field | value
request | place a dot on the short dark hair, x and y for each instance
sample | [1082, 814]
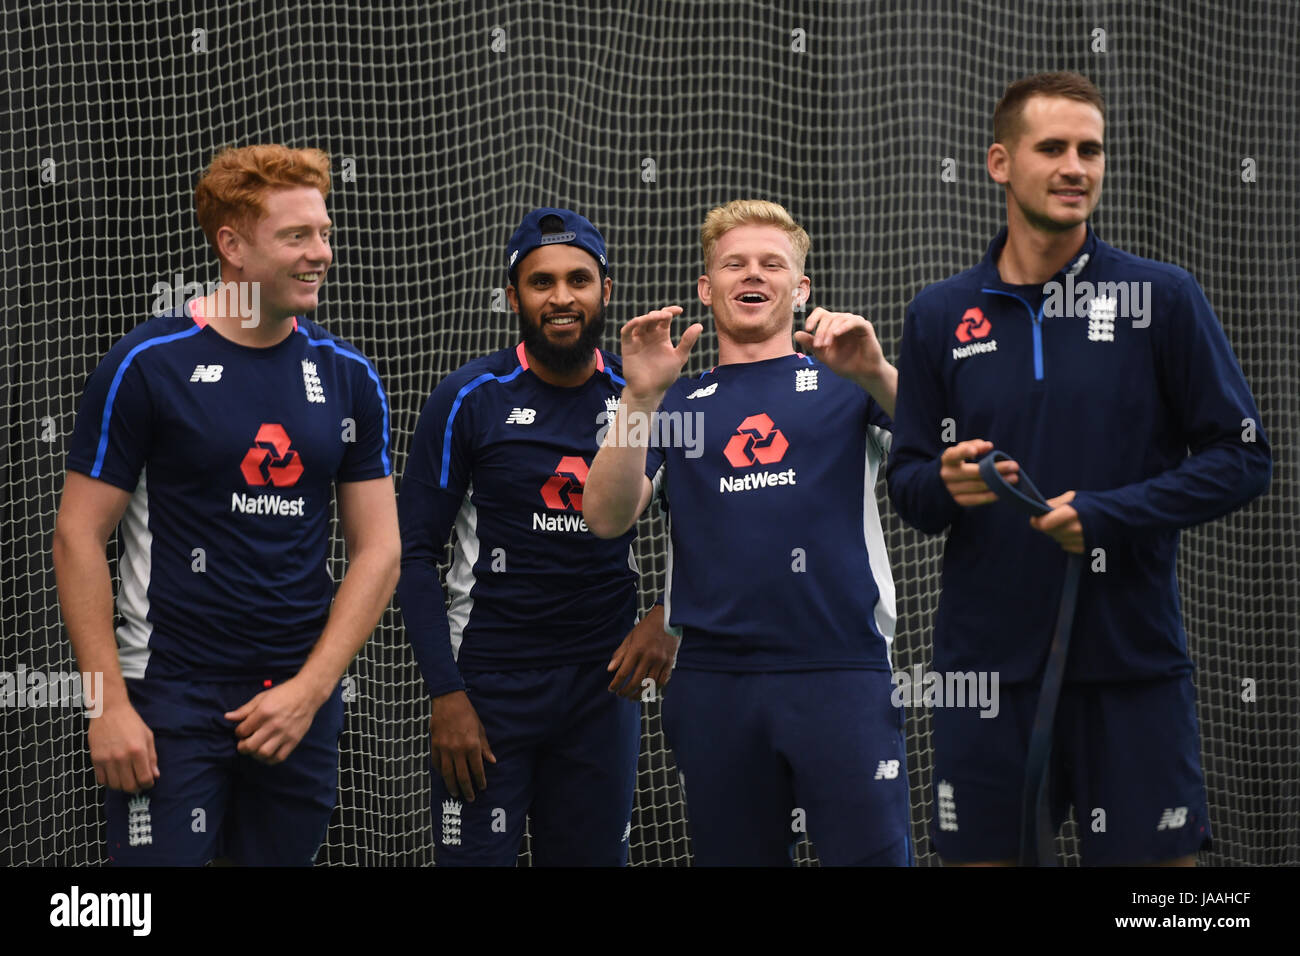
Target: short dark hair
[1007, 126]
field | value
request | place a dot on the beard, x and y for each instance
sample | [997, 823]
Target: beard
[561, 359]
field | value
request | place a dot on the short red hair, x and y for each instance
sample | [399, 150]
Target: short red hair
[233, 190]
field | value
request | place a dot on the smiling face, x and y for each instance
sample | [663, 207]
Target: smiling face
[561, 303]
[1053, 169]
[287, 252]
[753, 283]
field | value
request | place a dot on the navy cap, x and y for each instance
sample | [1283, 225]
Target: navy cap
[544, 227]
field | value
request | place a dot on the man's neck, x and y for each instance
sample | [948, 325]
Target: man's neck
[558, 379]
[237, 321]
[736, 353]
[1032, 257]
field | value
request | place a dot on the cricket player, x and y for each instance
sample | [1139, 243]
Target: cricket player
[211, 439]
[780, 715]
[535, 673]
[1107, 378]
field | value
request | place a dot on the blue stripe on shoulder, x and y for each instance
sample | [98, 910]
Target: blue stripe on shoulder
[370, 373]
[102, 447]
[615, 377]
[455, 407]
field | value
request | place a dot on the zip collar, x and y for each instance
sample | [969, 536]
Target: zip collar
[987, 270]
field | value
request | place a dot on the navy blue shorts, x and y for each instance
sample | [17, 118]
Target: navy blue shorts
[212, 801]
[566, 752]
[1125, 755]
[766, 758]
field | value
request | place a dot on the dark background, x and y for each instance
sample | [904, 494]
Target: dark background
[453, 142]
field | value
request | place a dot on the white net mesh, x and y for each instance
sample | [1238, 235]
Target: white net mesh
[447, 121]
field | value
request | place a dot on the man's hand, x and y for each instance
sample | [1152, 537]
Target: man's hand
[962, 477]
[647, 652]
[121, 748]
[1062, 523]
[844, 343]
[650, 361]
[271, 724]
[458, 744]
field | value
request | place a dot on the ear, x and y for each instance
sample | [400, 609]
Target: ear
[609, 287]
[512, 297]
[999, 163]
[231, 247]
[704, 289]
[802, 291]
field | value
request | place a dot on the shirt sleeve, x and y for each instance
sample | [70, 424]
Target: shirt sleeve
[369, 453]
[433, 487]
[1229, 460]
[113, 434]
[915, 488]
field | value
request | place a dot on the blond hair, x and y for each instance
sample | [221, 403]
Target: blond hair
[752, 212]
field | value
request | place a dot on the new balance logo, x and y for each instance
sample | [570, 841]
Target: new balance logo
[207, 373]
[887, 770]
[805, 380]
[703, 392]
[311, 382]
[451, 822]
[521, 416]
[139, 825]
[1172, 819]
[947, 807]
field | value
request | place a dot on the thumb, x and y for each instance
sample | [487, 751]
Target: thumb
[242, 712]
[688, 340]
[804, 340]
[1049, 521]
[618, 656]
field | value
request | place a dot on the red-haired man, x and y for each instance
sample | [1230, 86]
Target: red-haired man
[211, 437]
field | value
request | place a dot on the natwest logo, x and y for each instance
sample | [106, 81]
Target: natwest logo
[563, 490]
[974, 325]
[757, 442]
[271, 461]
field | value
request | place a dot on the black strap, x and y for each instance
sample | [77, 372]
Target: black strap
[1037, 832]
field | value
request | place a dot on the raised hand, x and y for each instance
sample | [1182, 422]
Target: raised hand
[651, 363]
[843, 342]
